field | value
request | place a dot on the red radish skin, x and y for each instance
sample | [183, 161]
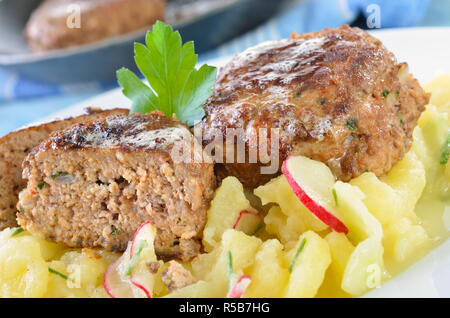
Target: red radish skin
[113, 267]
[133, 242]
[243, 213]
[240, 287]
[319, 211]
[133, 245]
[146, 292]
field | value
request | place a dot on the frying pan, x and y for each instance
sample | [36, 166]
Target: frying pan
[208, 26]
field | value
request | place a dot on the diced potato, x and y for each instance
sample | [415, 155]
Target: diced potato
[309, 269]
[212, 267]
[439, 89]
[203, 263]
[201, 289]
[278, 191]
[447, 170]
[58, 287]
[341, 249]
[408, 178]
[229, 200]
[352, 211]
[365, 268]
[286, 228]
[23, 272]
[385, 210]
[268, 275]
[403, 240]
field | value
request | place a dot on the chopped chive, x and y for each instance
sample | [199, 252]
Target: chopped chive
[365, 170]
[142, 244]
[446, 152]
[51, 270]
[300, 248]
[59, 174]
[17, 231]
[352, 124]
[397, 93]
[356, 150]
[335, 196]
[115, 231]
[229, 268]
[21, 210]
[385, 93]
[41, 185]
[259, 227]
[401, 121]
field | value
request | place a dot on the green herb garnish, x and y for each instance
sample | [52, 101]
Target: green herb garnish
[401, 121]
[17, 231]
[21, 210]
[114, 231]
[352, 124]
[335, 196]
[51, 270]
[41, 185]
[59, 174]
[229, 268]
[445, 152]
[176, 86]
[259, 227]
[385, 93]
[300, 248]
[397, 93]
[142, 244]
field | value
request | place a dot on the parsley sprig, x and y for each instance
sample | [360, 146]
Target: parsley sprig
[176, 86]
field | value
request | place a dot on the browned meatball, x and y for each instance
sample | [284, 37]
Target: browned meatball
[337, 96]
[94, 183]
[52, 24]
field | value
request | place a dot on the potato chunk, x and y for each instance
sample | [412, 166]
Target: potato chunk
[309, 269]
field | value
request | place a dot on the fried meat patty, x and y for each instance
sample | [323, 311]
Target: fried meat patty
[336, 95]
[53, 25]
[93, 184]
[15, 146]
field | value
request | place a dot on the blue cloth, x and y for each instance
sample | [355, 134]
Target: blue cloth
[23, 100]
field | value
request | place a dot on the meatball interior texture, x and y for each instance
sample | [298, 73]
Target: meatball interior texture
[336, 95]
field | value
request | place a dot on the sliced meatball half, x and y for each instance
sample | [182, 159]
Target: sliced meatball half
[336, 95]
[93, 184]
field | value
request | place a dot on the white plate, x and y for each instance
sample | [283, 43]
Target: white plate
[427, 52]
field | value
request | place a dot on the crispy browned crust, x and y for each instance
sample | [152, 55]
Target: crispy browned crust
[47, 28]
[311, 87]
[15, 146]
[122, 174]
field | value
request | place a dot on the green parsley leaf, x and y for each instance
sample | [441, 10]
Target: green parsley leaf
[385, 93]
[41, 185]
[300, 248]
[176, 86]
[352, 124]
[445, 152]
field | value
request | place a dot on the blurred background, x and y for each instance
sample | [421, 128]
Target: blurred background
[55, 53]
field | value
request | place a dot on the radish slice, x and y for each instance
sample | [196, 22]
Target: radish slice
[312, 182]
[239, 286]
[248, 222]
[140, 275]
[128, 276]
[116, 283]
